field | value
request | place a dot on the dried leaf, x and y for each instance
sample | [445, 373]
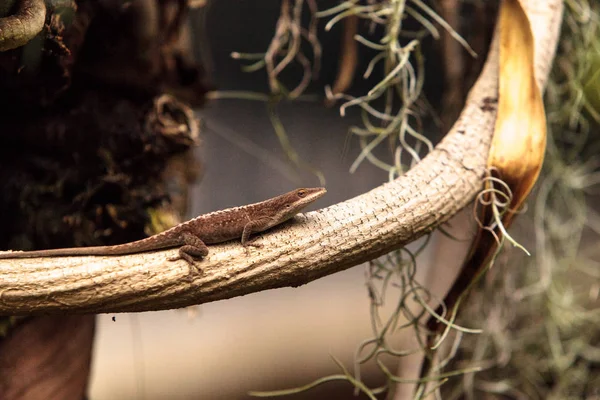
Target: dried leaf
[519, 142]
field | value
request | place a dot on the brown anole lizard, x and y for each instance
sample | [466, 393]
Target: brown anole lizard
[192, 236]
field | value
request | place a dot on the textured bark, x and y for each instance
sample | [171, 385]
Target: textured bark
[19, 28]
[318, 244]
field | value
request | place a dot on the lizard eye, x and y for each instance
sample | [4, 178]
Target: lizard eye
[301, 193]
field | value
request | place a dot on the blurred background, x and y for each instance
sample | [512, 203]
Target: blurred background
[276, 339]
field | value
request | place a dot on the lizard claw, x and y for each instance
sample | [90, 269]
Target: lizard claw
[189, 259]
[249, 244]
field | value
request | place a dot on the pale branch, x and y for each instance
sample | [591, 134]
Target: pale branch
[22, 26]
[315, 245]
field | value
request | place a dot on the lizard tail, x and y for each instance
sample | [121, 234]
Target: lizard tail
[138, 246]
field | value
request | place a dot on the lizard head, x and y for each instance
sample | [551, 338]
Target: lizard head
[293, 202]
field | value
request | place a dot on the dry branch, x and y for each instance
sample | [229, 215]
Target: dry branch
[22, 26]
[318, 244]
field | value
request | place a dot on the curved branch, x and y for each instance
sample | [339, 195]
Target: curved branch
[19, 28]
[318, 244]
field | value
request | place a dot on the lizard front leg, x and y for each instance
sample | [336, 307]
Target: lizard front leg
[258, 225]
[192, 249]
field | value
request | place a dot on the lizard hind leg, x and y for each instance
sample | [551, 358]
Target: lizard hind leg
[192, 249]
